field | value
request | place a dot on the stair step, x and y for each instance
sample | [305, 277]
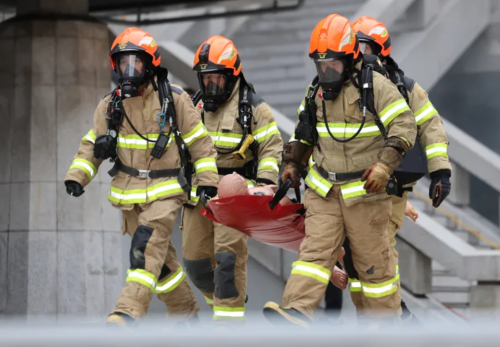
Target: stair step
[281, 86]
[442, 281]
[280, 25]
[281, 98]
[271, 62]
[289, 111]
[451, 298]
[320, 8]
[249, 39]
[273, 50]
[281, 73]
[439, 270]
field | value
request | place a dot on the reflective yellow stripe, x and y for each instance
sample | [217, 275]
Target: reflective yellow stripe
[171, 282]
[265, 132]
[231, 140]
[317, 183]
[90, 136]
[293, 139]
[269, 164]
[312, 270]
[193, 196]
[436, 150]
[311, 161]
[208, 300]
[197, 133]
[205, 164]
[425, 113]
[139, 196]
[301, 107]
[355, 285]
[392, 111]
[143, 277]
[221, 312]
[134, 141]
[348, 129]
[84, 165]
[352, 190]
[380, 290]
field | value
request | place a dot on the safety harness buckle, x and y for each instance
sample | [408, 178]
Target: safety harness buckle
[144, 173]
[332, 176]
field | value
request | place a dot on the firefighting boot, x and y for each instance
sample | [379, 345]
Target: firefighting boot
[118, 319]
[283, 315]
[192, 322]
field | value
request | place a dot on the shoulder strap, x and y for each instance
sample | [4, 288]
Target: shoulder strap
[196, 99]
[114, 113]
[313, 89]
[365, 81]
[168, 108]
[409, 83]
[245, 117]
[245, 113]
[397, 76]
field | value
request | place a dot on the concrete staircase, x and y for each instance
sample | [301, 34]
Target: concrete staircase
[274, 47]
[447, 288]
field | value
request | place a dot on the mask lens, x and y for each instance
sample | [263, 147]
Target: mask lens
[362, 47]
[330, 71]
[130, 65]
[212, 84]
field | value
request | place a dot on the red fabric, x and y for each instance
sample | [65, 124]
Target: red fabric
[281, 227]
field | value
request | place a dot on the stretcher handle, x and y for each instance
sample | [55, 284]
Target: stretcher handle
[281, 193]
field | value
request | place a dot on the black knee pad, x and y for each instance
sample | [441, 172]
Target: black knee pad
[201, 273]
[224, 276]
[348, 263]
[139, 243]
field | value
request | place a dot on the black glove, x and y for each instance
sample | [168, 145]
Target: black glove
[206, 191]
[104, 147]
[440, 186]
[74, 188]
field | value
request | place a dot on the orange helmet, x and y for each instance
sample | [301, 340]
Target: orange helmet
[374, 33]
[134, 55]
[218, 65]
[333, 37]
[135, 40]
[334, 48]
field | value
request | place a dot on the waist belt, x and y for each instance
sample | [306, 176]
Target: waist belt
[142, 173]
[340, 176]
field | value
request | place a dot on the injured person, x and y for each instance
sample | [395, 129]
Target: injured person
[235, 185]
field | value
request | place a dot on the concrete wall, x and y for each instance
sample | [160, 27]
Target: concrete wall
[468, 97]
[58, 255]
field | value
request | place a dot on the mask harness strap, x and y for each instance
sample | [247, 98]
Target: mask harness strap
[365, 87]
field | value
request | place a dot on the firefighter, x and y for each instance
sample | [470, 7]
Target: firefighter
[354, 153]
[149, 128]
[375, 40]
[248, 142]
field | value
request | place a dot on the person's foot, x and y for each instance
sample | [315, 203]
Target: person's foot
[282, 315]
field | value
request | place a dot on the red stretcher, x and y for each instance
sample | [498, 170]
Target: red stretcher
[262, 217]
